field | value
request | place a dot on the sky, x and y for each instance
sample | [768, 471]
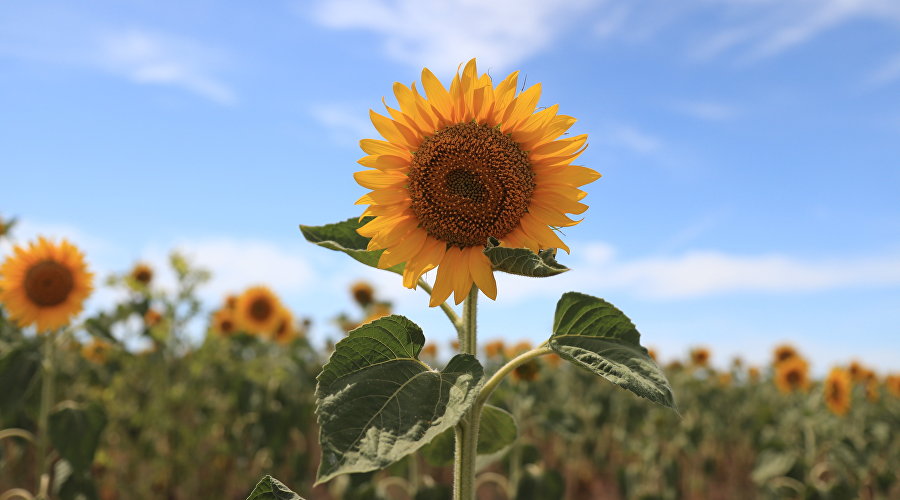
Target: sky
[750, 152]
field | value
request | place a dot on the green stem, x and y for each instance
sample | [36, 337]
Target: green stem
[451, 314]
[504, 370]
[43, 433]
[467, 429]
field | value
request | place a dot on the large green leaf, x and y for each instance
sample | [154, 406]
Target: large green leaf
[75, 432]
[20, 370]
[269, 488]
[342, 236]
[593, 334]
[377, 403]
[497, 432]
[523, 261]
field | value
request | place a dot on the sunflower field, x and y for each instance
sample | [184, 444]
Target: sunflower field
[179, 419]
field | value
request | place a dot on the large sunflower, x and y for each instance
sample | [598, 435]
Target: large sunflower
[44, 284]
[792, 375]
[463, 165]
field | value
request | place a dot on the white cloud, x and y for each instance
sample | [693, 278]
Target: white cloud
[705, 273]
[347, 123]
[886, 74]
[632, 138]
[442, 34]
[150, 58]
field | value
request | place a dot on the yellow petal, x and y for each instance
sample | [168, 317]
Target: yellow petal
[443, 284]
[391, 234]
[386, 196]
[392, 131]
[462, 280]
[376, 179]
[385, 162]
[570, 175]
[560, 147]
[378, 224]
[545, 236]
[402, 250]
[437, 95]
[482, 273]
[428, 258]
[549, 216]
[376, 147]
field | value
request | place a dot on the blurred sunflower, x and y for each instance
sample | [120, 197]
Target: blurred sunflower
[257, 309]
[363, 293]
[892, 382]
[430, 350]
[518, 348]
[700, 356]
[494, 348]
[753, 374]
[142, 274]
[463, 165]
[224, 323]
[231, 301]
[792, 375]
[97, 351]
[652, 353]
[286, 331]
[44, 283]
[783, 353]
[152, 318]
[526, 372]
[837, 391]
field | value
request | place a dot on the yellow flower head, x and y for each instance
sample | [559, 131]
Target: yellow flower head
[783, 353]
[152, 318]
[792, 375]
[652, 353]
[494, 348]
[463, 165]
[527, 371]
[700, 356]
[231, 301]
[753, 373]
[837, 391]
[44, 283]
[892, 382]
[286, 331]
[363, 293]
[430, 350]
[97, 351]
[519, 348]
[142, 274]
[224, 323]
[257, 310]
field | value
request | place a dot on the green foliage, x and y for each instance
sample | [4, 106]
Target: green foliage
[269, 488]
[75, 432]
[522, 261]
[342, 237]
[377, 403]
[593, 334]
[20, 367]
[497, 433]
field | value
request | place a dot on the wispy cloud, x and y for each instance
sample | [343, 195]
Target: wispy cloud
[707, 110]
[632, 139]
[65, 37]
[444, 33]
[887, 73]
[347, 123]
[155, 59]
[706, 273]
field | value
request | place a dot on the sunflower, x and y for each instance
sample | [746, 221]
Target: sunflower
[652, 353]
[142, 274]
[430, 350]
[461, 166]
[892, 382]
[494, 348]
[257, 309]
[518, 348]
[286, 331]
[363, 293]
[792, 375]
[44, 283]
[753, 374]
[231, 301]
[97, 351]
[223, 322]
[152, 318]
[837, 391]
[527, 371]
[700, 356]
[783, 353]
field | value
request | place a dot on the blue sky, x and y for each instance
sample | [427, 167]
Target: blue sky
[750, 152]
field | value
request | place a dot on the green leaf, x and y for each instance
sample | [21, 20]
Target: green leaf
[342, 236]
[20, 369]
[75, 432]
[523, 261]
[497, 432]
[269, 488]
[377, 403]
[593, 334]
[771, 464]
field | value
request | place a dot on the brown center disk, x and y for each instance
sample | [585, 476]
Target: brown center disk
[468, 182]
[49, 283]
[260, 309]
[794, 378]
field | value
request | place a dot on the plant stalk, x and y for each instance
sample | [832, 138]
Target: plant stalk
[467, 429]
[43, 432]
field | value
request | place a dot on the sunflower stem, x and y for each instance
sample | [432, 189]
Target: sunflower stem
[466, 448]
[43, 433]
